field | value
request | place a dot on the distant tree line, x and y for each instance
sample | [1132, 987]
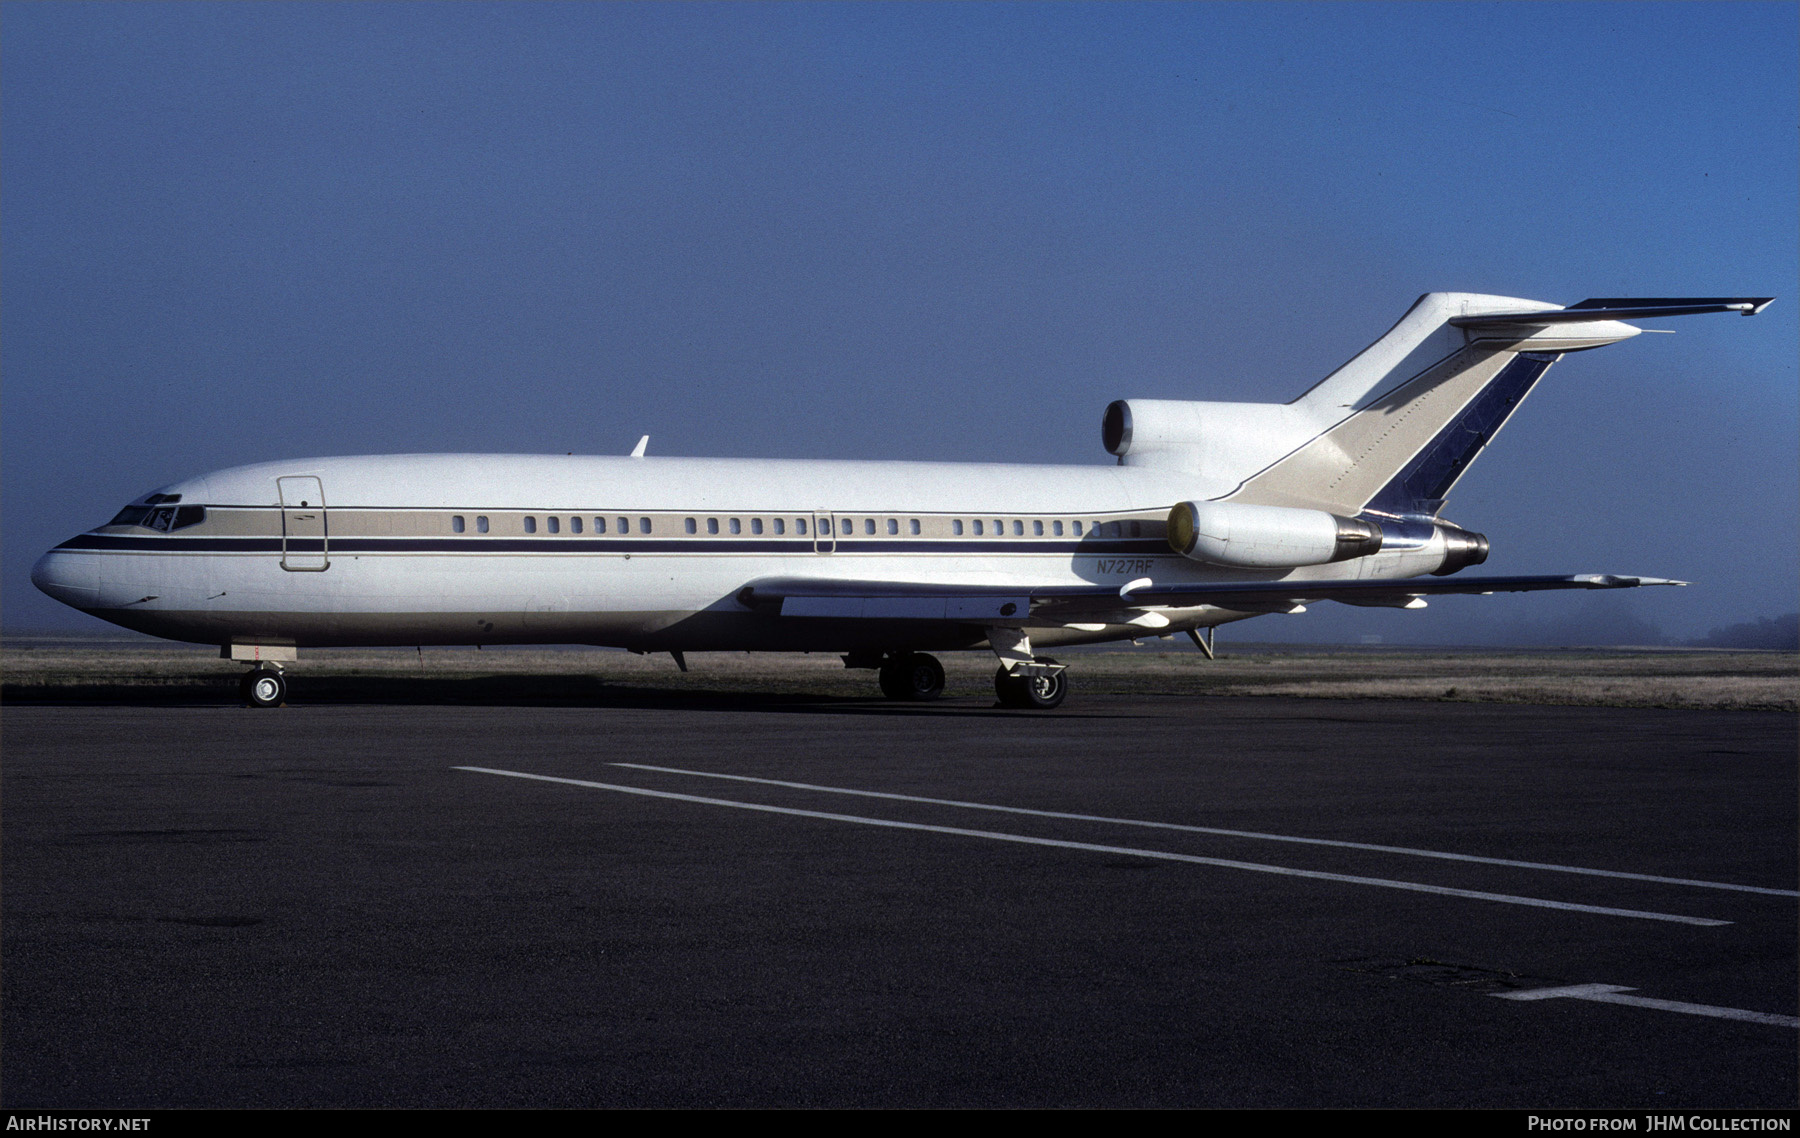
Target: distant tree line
[1781, 632]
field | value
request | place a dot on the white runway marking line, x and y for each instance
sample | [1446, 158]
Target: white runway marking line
[1609, 994]
[1231, 833]
[1161, 855]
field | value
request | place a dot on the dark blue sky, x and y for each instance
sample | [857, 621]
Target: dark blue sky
[231, 233]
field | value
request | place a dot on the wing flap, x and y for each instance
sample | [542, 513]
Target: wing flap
[990, 604]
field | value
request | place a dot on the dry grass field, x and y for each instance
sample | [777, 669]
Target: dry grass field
[52, 669]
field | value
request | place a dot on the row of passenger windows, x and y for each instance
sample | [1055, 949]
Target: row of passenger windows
[978, 527]
[776, 525]
[847, 527]
[553, 524]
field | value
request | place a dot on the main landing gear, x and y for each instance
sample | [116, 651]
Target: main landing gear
[1035, 683]
[1039, 686]
[263, 686]
[912, 676]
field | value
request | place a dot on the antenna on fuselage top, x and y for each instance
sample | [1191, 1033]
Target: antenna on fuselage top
[638, 450]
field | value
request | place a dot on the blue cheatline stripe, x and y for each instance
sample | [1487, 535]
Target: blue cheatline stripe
[1421, 485]
[481, 544]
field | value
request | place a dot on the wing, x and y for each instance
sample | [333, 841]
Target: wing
[981, 603]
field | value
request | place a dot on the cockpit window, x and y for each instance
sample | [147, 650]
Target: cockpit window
[164, 519]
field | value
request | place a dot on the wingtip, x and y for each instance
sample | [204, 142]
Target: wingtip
[1621, 581]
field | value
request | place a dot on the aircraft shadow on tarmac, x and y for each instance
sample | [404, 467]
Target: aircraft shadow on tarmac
[552, 690]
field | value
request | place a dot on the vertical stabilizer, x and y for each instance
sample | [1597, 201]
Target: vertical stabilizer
[1401, 422]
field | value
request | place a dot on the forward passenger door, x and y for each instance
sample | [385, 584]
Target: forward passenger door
[305, 535]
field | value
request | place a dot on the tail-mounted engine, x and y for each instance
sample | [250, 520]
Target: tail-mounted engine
[1268, 537]
[1283, 537]
[1462, 548]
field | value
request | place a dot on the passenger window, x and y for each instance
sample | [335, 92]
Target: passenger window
[977, 527]
[868, 525]
[915, 527]
[848, 526]
[1037, 529]
[599, 525]
[712, 525]
[734, 526]
[1056, 529]
[553, 524]
[574, 525]
[1137, 530]
[456, 524]
[799, 525]
[481, 524]
[1077, 527]
[624, 525]
[1113, 529]
[999, 528]
[893, 525]
[780, 526]
[756, 525]
[690, 526]
[1019, 528]
[643, 525]
[530, 524]
[956, 527]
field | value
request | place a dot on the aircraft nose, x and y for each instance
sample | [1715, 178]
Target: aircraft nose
[68, 576]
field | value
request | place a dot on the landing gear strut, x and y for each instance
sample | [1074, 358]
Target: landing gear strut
[1040, 688]
[263, 687]
[912, 676]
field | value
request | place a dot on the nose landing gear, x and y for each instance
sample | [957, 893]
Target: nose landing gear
[263, 686]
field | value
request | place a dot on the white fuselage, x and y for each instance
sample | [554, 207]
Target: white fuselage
[645, 553]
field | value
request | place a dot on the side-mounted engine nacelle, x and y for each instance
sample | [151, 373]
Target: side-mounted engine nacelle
[1283, 537]
[1268, 537]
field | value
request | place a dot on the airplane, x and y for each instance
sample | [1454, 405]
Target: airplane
[1214, 512]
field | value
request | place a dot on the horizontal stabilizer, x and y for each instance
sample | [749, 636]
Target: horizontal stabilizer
[1620, 308]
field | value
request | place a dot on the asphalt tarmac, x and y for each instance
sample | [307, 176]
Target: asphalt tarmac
[322, 906]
